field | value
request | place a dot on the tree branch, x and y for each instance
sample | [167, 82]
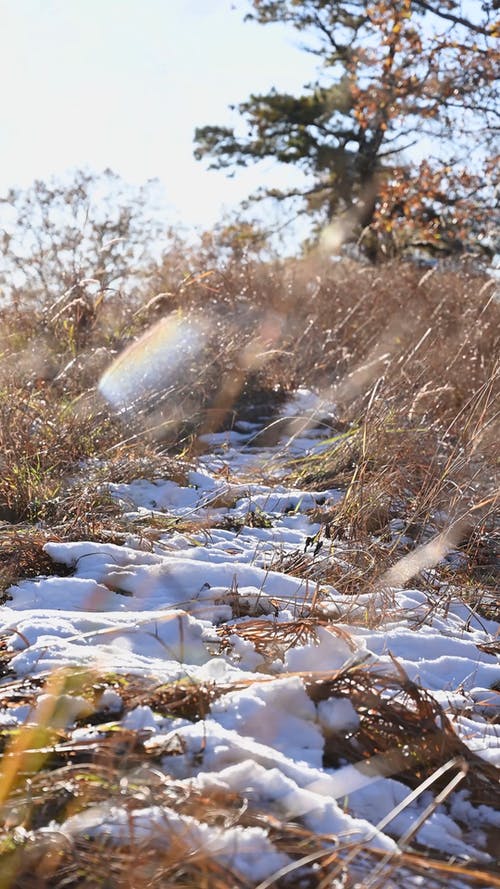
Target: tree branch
[451, 17]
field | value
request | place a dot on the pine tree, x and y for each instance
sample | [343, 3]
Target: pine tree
[395, 80]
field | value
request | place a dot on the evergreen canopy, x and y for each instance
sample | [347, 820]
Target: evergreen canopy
[393, 75]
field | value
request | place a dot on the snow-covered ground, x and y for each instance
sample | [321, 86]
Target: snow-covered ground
[157, 611]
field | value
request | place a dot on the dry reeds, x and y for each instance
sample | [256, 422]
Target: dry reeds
[411, 361]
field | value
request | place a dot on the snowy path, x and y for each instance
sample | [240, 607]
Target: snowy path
[192, 606]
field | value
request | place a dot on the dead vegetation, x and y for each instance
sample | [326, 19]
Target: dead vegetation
[410, 358]
[402, 733]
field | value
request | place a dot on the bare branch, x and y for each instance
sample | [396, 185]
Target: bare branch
[451, 17]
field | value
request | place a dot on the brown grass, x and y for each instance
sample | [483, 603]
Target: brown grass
[410, 359]
[402, 733]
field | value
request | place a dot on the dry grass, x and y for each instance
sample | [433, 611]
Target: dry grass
[57, 455]
[402, 733]
[411, 361]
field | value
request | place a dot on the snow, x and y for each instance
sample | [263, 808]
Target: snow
[155, 644]
[246, 850]
[305, 792]
[155, 613]
[109, 700]
[140, 719]
[337, 716]
[439, 832]
[277, 713]
[325, 654]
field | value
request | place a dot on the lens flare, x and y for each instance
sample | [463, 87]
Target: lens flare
[158, 360]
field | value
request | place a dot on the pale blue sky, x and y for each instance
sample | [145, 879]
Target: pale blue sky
[123, 83]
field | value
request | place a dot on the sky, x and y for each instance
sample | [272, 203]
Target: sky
[122, 84]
